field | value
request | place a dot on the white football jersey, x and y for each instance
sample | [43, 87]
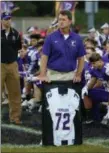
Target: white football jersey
[63, 110]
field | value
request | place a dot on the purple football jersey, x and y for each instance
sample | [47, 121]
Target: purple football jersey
[102, 74]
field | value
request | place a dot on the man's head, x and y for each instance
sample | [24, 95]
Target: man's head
[107, 47]
[92, 33]
[6, 19]
[96, 61]
[65, 19]
[34, 39]
[105, 28]
[89, 52]
[90, 43]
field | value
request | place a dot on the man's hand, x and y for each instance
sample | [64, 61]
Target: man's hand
[77, 78]
[84, 92]
[43, 78]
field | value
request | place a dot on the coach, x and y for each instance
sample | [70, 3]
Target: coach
[62, 63]
[63, 53]
[10, 44]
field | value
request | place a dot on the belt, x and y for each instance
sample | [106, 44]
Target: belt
[7, 62]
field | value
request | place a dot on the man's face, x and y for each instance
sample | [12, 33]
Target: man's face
[97, 64]
[63, 21]
[23, 52]
[6, 22]
[106, 31]
[107, 47]
[88, 53]
[89, 44]
[92, 35]
[33, 42]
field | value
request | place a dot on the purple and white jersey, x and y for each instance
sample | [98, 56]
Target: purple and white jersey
[33, 59]
[62, 107]
[106, 58]
[68, 5]
[7, 6]
[86, 76]
[103, 75]
[22, 65]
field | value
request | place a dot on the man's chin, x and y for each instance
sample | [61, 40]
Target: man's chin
[62, 27]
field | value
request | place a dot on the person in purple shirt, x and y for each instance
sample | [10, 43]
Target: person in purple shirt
[62, 50]
[86, 76]
[100, 71]
[87, 66]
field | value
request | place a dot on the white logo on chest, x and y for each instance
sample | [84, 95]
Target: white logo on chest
[73, 43]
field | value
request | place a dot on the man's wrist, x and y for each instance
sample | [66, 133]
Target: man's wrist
[78, 73]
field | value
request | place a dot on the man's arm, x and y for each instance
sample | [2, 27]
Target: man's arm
[44, 59]
[43, 66]
[80, 60]
[80, 65]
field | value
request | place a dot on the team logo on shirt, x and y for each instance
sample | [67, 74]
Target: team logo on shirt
[73, 43]
[56, 41]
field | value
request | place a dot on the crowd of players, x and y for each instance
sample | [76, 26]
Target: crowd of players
[95, 79]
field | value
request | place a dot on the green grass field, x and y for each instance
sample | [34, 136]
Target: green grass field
[65, 149]
[12, 134]
[89, 145]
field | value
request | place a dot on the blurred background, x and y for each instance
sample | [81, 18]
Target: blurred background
[42, 13]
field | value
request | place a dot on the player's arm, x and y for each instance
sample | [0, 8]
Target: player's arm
[98, 84]
[90, 84]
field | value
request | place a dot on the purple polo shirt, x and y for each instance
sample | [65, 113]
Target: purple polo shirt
[63, 54]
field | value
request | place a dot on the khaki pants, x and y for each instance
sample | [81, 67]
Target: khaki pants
[10, 77]
[60, 76]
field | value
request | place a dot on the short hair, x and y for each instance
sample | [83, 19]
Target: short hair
[67, 13]
[91, 41]
[95, 57]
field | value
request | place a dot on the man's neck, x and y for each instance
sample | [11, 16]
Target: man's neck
[65, 31]
[7, 29]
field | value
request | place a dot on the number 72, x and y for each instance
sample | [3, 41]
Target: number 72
[66, 117]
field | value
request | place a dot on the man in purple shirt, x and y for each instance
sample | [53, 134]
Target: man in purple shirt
[62, 63]
[62, 50]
